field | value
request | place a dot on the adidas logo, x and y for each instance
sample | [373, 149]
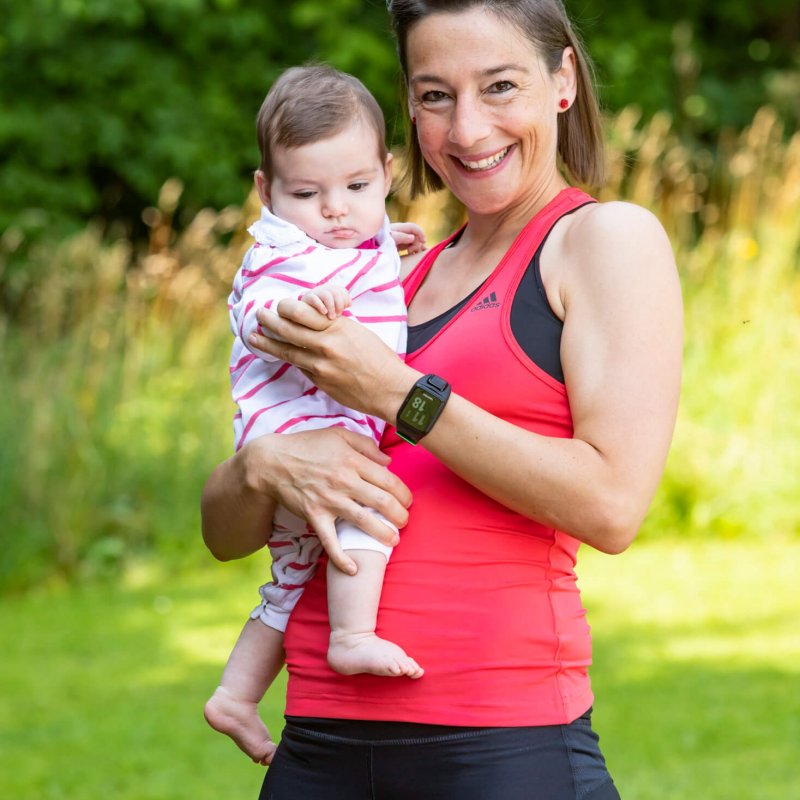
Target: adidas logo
[487, 302]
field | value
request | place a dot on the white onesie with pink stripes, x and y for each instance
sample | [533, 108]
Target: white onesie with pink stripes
[275, 397]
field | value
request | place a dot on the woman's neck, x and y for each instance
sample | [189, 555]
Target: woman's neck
[492, 232]
[461, 268]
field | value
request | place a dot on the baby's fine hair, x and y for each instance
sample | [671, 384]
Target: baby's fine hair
[314, 102]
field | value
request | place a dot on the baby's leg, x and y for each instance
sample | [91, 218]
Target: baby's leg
[353, 610]
[256, 659]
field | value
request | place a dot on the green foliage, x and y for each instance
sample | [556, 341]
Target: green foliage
[103, 101]
[710, 65]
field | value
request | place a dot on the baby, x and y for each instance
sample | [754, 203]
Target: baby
[324, 238]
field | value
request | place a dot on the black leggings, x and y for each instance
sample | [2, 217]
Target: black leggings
[321, 759]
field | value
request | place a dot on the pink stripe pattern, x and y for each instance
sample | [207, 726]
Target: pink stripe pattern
[275, 397]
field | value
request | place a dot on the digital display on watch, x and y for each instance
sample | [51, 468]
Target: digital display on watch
[420, 409]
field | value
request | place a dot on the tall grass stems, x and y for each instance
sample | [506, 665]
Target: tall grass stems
[116, 403]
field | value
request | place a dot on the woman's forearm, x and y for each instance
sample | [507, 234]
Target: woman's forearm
[564, 483]
[236, 516]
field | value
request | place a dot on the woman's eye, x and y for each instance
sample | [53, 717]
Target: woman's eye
[501, 86]
[433, 96]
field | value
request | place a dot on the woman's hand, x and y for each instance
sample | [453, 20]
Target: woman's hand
[319, 475]
[341, 357]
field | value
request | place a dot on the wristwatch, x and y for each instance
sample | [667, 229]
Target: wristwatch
[422, 407]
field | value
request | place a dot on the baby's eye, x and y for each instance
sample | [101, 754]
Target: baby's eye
[357, 186]
[303, 194]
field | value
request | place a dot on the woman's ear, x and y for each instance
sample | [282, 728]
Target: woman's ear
[262, 187]
[387, 174]
[566, 76]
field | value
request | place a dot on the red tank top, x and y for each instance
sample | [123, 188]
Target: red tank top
[484, 599]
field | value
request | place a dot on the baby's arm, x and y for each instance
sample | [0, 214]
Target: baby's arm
[330, 300]
[408, 236]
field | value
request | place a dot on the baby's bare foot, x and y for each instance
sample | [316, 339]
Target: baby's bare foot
[239, 719]
[351, 653]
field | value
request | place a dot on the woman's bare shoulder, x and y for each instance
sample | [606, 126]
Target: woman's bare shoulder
[609, 249]
[614, 228]
[407, 263]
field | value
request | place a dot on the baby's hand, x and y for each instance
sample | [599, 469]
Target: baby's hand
[329, 300]
[408, 236]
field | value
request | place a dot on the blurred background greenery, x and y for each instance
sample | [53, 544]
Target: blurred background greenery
[126, 152]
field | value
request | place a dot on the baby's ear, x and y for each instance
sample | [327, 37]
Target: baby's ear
[387, 174]
[262, 187]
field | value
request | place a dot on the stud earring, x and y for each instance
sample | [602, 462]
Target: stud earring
[413, 120]
[564, 103]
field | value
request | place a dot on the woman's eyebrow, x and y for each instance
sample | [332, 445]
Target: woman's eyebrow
[484, 73]
[511, 67]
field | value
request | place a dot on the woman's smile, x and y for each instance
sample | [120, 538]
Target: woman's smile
[484, 164]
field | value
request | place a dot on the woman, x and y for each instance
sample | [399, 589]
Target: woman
[557, 321]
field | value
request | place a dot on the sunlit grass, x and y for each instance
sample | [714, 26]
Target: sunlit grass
[696, 654]
[697, 659]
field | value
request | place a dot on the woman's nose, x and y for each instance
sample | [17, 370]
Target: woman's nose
[468, 123]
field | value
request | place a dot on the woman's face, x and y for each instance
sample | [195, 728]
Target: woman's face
[486, 108]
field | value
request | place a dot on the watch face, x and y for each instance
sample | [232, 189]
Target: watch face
[420, 409]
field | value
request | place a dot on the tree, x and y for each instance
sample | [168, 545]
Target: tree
[104, 100]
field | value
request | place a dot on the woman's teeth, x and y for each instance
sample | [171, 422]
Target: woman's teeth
[485, 163]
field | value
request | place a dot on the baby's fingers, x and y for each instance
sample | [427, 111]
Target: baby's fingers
[316, 302]
[341, 299]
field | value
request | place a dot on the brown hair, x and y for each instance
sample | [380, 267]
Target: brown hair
[545, 23]
[310, 103]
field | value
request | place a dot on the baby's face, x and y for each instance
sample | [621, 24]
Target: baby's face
[333, 189]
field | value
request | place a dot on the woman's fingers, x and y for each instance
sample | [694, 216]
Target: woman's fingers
[368, 522]
[325, 528]
[296, 334]
[324, 525]
[379, 489]
[386, 493]
[363, 484]
[327, 474]
[365, 445]
[292, 313]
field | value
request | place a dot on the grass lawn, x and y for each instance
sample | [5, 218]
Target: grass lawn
[697, 676]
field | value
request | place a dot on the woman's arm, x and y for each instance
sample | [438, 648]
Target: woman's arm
[621, 352]
[235, 516]
[319, 475]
